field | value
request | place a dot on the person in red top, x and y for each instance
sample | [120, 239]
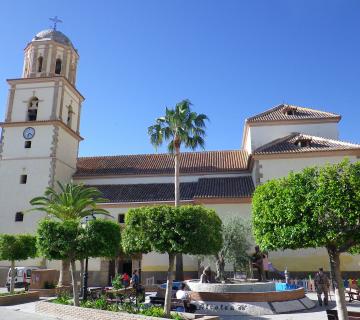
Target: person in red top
[125, 279]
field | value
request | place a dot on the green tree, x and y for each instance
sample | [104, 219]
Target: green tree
[69, 202]
[236, 244]
[318, 207]
[180, 127]
[60, 240]
[16, 247]
[191, 230]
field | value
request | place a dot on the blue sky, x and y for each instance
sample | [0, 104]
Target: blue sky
[231, 58]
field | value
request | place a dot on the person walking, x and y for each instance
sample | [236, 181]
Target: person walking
[322, 285]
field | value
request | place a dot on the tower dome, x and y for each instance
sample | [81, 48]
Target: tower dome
[53, 34]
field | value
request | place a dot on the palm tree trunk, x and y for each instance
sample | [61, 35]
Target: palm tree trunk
[177, 176]
[167, 304]
[179, 257]
[74, 283]
[13, 275]
[338, 285]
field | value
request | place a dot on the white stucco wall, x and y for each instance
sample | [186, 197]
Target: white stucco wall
[260, 135]
[276, 168]
[23, 94]
[14, 142]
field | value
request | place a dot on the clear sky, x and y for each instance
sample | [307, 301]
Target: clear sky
[231, 58]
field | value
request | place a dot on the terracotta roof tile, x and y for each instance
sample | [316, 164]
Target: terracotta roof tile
[299, 143]
[146, 192]
[234, 187]
[279, 113]
[237, 187]
[153, 164]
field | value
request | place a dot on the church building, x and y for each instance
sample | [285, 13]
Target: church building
[40, 140]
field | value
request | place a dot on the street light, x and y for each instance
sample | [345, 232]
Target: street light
[85, 276]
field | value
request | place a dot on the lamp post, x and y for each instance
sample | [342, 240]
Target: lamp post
[85, 276]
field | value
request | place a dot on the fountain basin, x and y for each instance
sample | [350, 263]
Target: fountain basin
[256, 299]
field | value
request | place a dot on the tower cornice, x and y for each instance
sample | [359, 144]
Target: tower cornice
[46, 79]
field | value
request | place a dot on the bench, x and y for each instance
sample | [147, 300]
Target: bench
[353, 292]
[332, 315]
[175, 303]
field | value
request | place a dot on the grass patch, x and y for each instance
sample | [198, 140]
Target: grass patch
[12, 294]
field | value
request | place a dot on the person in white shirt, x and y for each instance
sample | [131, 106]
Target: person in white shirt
[181, 293]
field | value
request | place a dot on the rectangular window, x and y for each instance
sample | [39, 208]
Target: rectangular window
[23, 178]
[19, 216]
[27, 144]
[121, 218]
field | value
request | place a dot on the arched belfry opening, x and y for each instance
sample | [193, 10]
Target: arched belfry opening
[69, 116]
[32, 109]
[40, 64]
[58, 66]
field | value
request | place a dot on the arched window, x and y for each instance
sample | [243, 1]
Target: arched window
[69, 116]
[32, 109]
[40, 63]
[58, 66]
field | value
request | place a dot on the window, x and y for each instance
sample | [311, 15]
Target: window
[33, 109]
[121, 218]
[69, 117]
[19, 216]
[23, 178]
[303, 143]
[40, 63]
[58, 66]
[289, 110]
[27, 144]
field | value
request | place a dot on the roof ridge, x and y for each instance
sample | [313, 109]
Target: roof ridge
[329, 139]
[265, 112]
[274, 113]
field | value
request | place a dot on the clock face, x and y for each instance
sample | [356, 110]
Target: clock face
[29, 133]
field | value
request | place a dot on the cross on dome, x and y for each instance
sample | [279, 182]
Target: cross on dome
[56, 20]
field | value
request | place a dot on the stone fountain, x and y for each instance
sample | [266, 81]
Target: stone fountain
[246, 298]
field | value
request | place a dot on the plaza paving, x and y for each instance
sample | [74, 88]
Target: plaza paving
[26, 311]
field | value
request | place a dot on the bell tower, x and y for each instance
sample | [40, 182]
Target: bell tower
[40, 135]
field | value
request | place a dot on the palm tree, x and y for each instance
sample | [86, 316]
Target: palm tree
[179, 126]
[72, 202]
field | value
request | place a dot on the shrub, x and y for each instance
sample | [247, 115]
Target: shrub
[117, 282]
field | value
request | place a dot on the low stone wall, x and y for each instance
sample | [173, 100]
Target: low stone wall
[19, 298]
[71, 312]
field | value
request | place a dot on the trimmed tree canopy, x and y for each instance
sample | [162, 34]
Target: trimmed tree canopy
[318, 207]
[16, 247]
[165, 229]
[69, 240]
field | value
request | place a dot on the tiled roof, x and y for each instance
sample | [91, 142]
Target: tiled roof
[146, 192]
[279, 113]
[153, 164]
[234, 187]
[299, 143]
[237, 187]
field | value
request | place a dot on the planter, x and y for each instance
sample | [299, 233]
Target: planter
[46, 292]
[70, 312]
[9, 300]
